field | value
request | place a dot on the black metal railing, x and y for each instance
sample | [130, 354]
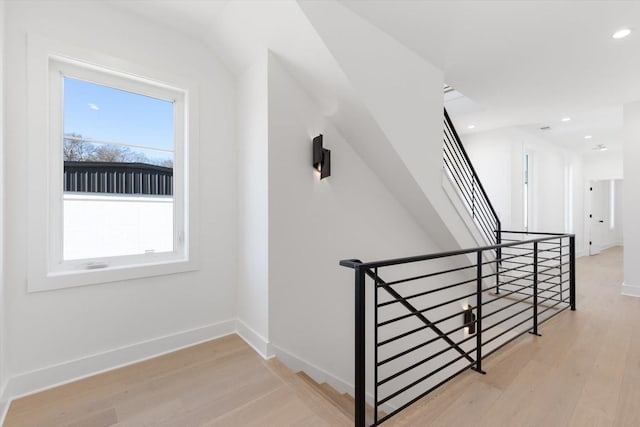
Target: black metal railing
[459, 168]
[437, 315]
[117, 178]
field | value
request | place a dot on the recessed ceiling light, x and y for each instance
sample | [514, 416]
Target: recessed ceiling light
[621, 33]
[566, 119]
[588, 137]
[471, 126]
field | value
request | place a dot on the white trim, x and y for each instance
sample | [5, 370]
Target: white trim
[319, 375]
[52, 376]
[260, 344]
[4, 406]
[630, 290]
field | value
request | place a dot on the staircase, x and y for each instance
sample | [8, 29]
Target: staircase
[322, 397]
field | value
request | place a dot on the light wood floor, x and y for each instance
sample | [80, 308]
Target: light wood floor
[219, 383]
[583, 371]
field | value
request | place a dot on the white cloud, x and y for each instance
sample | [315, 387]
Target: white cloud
[94, 107]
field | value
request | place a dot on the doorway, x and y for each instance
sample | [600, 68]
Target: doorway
[605, 215]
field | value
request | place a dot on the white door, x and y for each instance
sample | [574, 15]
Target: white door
[598, 193]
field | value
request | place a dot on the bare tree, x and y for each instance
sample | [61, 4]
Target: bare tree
[79, 150]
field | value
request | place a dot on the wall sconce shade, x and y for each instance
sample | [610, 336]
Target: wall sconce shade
[321, 158]
[470, 320]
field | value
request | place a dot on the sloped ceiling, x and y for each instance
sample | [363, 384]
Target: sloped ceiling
[518, 63]
[526, 63]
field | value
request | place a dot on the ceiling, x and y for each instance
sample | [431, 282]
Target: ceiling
[518, 63]
[526, 63]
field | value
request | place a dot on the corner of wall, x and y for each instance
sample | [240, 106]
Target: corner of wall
[630, 290]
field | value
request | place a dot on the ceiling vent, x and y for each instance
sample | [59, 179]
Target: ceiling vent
[600, 147]
[545, 128]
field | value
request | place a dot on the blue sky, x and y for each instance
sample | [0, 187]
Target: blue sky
[107, 114]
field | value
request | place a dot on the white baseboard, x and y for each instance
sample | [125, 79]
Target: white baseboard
[4, 405]
[63, 373]
[630, 290]
[319, 375]
[254, 339]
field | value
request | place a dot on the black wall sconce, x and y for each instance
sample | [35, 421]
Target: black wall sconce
[470, 320]
[321, 158]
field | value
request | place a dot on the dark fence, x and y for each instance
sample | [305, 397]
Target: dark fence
[117, 178]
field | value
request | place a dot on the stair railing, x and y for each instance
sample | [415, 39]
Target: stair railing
[435, 316]
[462, 174]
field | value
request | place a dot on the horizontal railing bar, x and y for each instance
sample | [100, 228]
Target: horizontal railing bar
[507, 330]
[409, 350]
[527, 264]
[506, 319]
[413, 331]
[484, 316]
[549, 307]
[557, 312]
[514, 277]
[519, 292]
[415, 365]
[536, 233]
[415, 383]
[430, 291]
[415, 399]
[505, 343]
[406, 316]
[503, 295]
[426, 276]
[407, 260]
[402, 335]
[506, 270]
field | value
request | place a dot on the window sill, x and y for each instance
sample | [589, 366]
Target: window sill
[75, 278]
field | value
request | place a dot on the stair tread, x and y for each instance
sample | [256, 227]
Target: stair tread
[343, 401]
[310, 394]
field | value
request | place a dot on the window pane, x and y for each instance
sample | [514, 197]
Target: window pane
[118, 172]
[102, 113]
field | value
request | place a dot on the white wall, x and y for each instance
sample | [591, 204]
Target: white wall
[314, 223]
[252, 303]
[600, 165]
[84, 329]
[3, 376]
[402, 140]
[631, 203]
[498, 159]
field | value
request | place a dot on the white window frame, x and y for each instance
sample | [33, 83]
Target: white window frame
[48, 63]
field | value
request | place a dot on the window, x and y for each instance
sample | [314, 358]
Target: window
[112, 193]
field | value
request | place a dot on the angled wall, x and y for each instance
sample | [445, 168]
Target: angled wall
[403, 95]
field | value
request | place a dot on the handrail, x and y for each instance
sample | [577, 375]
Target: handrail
[406, 370]
[352, 263]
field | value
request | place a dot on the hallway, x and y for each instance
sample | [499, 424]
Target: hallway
[583, 371]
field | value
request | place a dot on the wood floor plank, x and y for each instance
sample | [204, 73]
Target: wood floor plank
[583, 371]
